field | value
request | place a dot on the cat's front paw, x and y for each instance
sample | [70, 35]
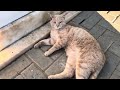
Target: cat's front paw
[46, 53]
[38, 44]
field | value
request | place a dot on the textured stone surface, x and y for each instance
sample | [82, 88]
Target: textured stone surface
[19, 77]
[16, 67]
[58, 66]
[118, 67]
[108, 25]
[82, 16]
[91, 21]
[32, 72]
[114, 77]
[37, 56]
[110, 65]
[97, 31]
[115, 48]
[107, 39]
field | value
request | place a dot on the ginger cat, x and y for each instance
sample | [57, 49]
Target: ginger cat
[85, 56]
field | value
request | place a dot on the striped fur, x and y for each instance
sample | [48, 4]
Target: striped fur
[85, 57]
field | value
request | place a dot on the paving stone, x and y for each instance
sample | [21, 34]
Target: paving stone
[104, 43]
[110, 65]
[45, 48]
[114, 77]
[107, 25]
[115, 48]
[107, 39]
[33, 72]
[58, 66]
[118, 67]
[91, 21]
[56, 54]
[37, 56]
[97, 31]
[116, 72]
[14, 68]
[19, 77]
[82, 16]
[111, 35]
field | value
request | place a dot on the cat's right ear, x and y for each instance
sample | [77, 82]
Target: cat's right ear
[51, 16]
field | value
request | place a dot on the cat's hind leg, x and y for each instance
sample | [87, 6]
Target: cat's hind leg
[68, 72]
[82, 71]
[44, 42]
[95, 73]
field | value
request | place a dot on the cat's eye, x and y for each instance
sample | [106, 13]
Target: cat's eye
[54, 22]
[61, 22]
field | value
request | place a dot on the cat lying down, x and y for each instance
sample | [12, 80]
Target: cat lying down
[85, 56]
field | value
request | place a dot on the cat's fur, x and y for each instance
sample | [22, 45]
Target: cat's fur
[85, 57]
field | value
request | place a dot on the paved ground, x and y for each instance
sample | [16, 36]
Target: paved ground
[34, 65]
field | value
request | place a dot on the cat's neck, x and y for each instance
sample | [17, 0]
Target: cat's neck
[66, 27]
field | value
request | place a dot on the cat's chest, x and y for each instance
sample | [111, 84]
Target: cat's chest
[58, 35]
[54, 35]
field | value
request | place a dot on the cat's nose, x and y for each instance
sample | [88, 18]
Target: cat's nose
[57, 25]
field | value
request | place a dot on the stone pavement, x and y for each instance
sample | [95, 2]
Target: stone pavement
[34, 65]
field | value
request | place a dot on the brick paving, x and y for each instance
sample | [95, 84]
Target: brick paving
[34, 65]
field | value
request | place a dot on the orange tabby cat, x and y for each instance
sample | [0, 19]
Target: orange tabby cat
[85, 57]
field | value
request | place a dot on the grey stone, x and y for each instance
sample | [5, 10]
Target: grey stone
[116, 72]
[19, 77]
[105, 44]
[14, 68]
[91, 21]
[114, 77]
[37, 56]
[111, 36]
[107, 25]
[58, 66]
[32, 72]
[110, 65]
[82, 16]
[45, 48]
[118, 67]
[115, 48]
[107, 39]
[97, 31]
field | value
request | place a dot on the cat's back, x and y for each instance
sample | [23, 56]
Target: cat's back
[78, 36]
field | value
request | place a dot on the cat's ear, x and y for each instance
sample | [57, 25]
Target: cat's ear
[51, 16]
[64, 14]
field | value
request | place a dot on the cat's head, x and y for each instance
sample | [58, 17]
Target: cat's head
[58, 21]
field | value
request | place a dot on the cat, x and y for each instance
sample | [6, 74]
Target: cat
[85, 58]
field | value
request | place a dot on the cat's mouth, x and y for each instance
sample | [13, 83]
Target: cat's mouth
[57, 28]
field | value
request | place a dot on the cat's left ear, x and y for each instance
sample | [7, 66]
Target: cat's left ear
[64, 14]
